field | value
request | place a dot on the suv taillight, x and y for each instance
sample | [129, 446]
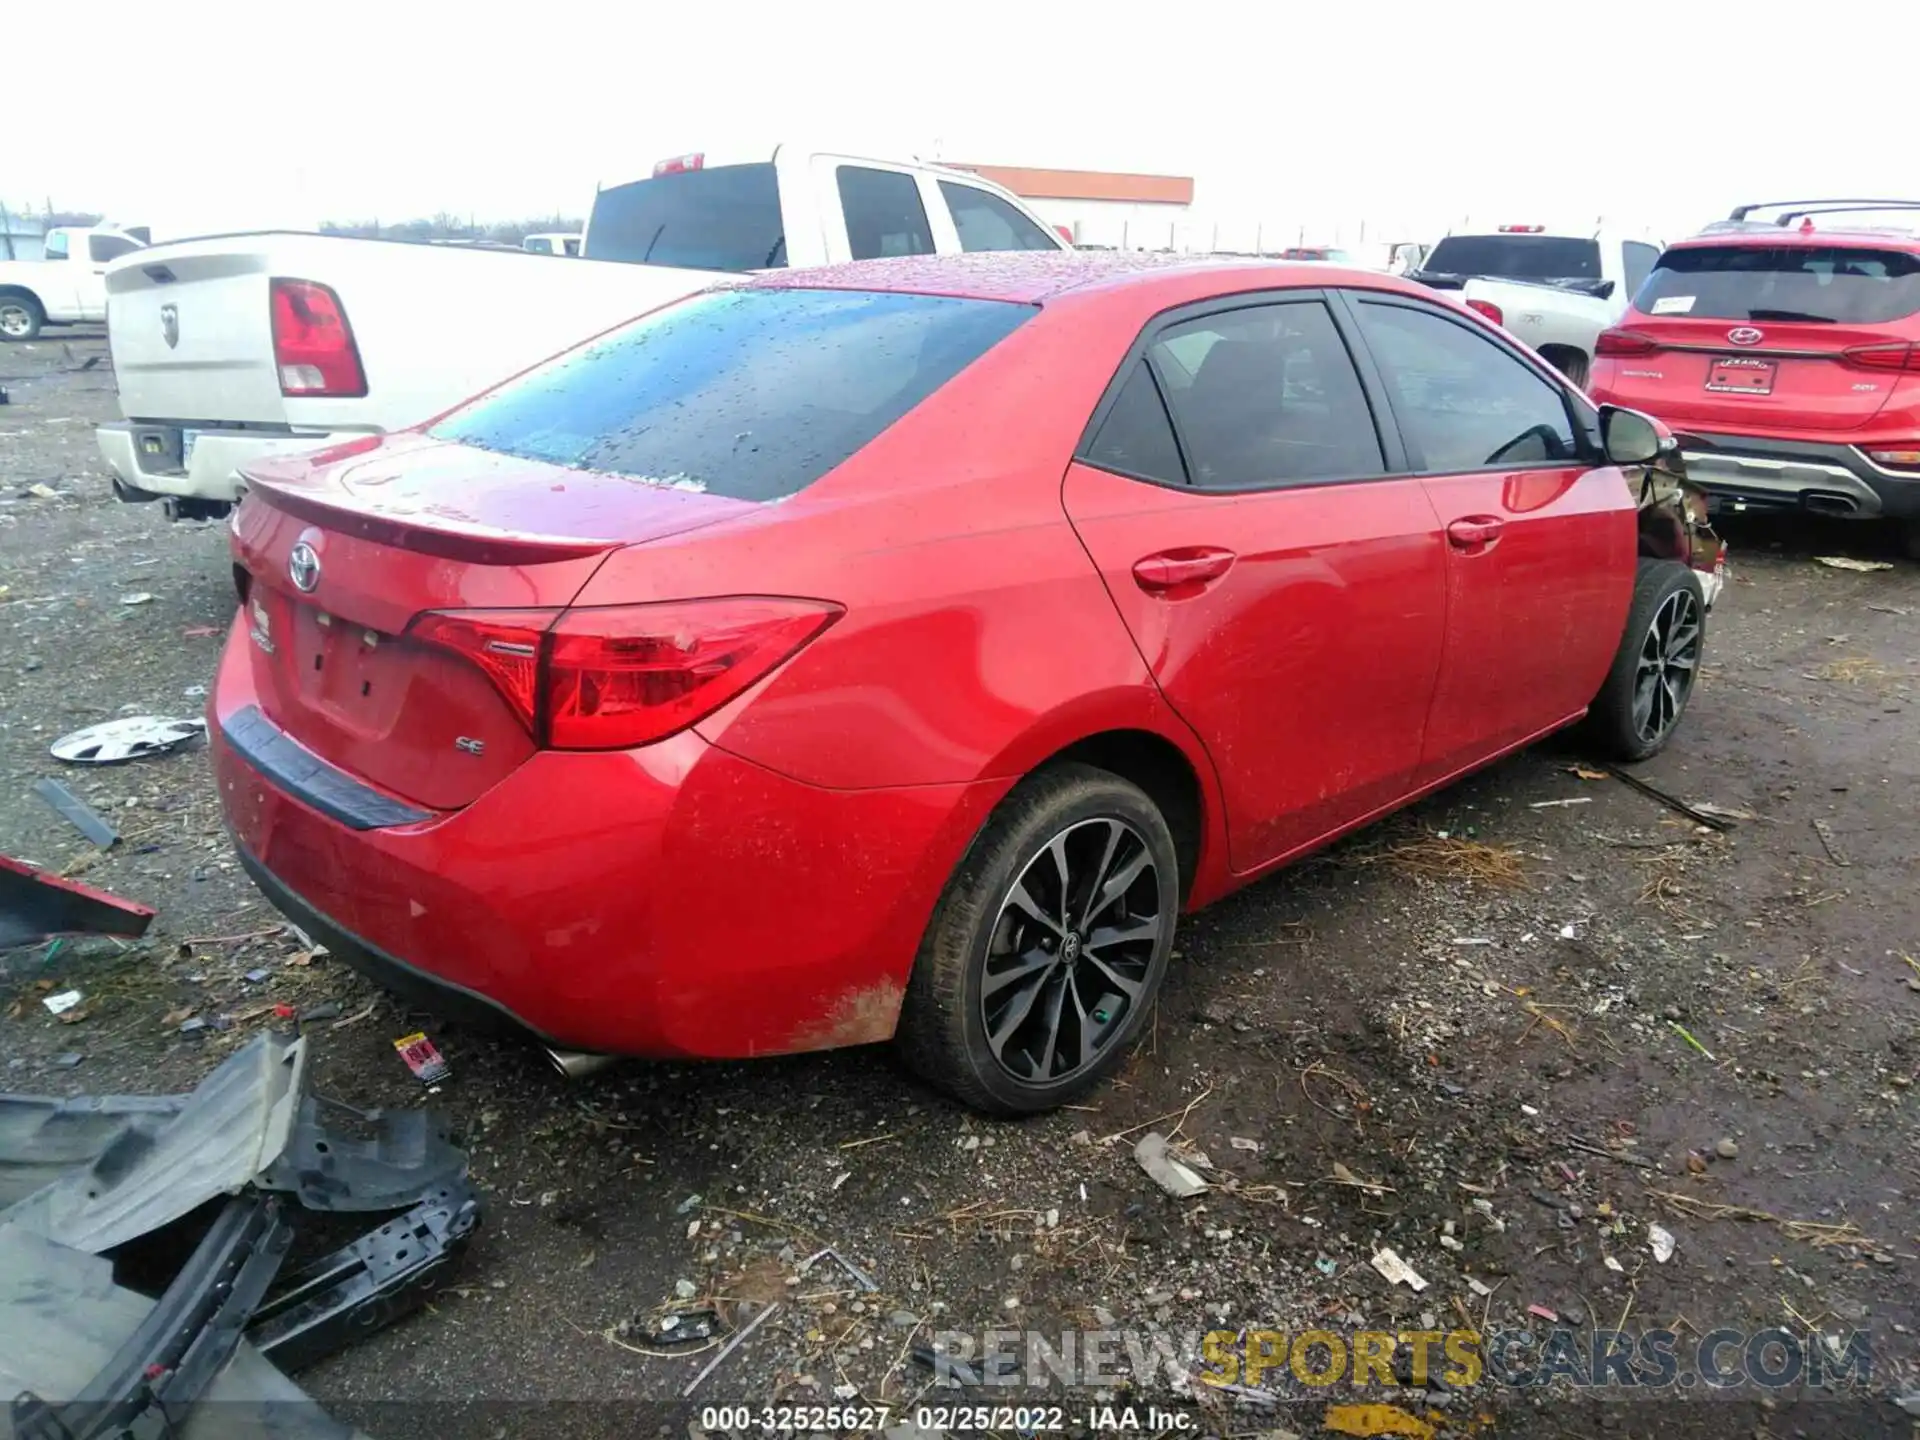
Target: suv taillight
[1487, 308]
[1624, 342]
[1882, 357]
[615, 677]
[313, 345]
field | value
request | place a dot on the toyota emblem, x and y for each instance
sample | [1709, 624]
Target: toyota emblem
[1745, 335]
[170, 325]
[303, 567]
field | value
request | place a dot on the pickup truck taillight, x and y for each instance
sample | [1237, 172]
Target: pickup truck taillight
[620, 676]
[1487, 308]
[313, 345]
[1624, 342]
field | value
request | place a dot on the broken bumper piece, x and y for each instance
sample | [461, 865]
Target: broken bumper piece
[82, 1177]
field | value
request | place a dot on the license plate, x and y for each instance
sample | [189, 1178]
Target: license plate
[1738, 375]
[188, 439]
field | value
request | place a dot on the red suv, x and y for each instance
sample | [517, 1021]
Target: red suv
[898, 650]
[1785, 355]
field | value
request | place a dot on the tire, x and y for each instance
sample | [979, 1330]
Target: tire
[1910, 538]
[979, 928]
[1645, 694]
[20, 316]
[1572, 364]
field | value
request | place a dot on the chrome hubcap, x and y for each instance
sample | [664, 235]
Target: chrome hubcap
[1669, 660]
[14, 320]
[1070, 952]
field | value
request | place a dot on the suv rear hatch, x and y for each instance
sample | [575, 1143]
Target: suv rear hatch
[1793, 335]
[188, 328]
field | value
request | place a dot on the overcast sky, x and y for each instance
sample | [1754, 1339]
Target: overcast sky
[206, 114]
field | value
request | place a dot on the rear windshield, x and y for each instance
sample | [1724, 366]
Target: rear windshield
[1516, 257]
[752, 394]
[726, 218]
[1783, 282]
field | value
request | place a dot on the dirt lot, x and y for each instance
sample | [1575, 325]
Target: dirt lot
[1504, 1063]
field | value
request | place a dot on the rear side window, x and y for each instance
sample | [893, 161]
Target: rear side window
[1516, 257]
[56, 247]
[1266, 396]
[986, 222]
[1841, 284]
[1463, 402]
[1136, 438]
[726, 218]
[884, 213]
[752, 394]
[102, 248]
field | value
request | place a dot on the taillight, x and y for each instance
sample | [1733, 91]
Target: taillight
[1624, 342]
[615, 677]
[1882, 357]
[1487, 308]
[504, 644]
[312, 342]
[680, 164]
[1904, 456]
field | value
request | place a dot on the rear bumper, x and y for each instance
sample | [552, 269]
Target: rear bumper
[210, 472]
[1762, 472]
[674, 901]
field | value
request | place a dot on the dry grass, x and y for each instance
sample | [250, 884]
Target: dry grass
[1450, 859]
[1852, 670]
[1813, 1232]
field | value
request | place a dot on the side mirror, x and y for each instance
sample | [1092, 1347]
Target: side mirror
[1629, 437]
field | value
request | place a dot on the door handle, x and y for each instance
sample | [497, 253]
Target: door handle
[1179, 573]
[1474, 531]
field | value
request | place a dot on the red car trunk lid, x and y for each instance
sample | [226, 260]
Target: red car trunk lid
[344, 548]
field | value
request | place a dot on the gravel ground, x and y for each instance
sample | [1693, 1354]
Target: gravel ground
[1505, 1034]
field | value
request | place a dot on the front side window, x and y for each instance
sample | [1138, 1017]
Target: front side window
[1266, 396]
[986, 222]
[1638, 260]
[752, 394]
[1463, 402]
[884, 213]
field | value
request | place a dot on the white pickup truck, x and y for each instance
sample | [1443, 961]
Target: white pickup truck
[233, 347]
[68, 287]
[1555, 292]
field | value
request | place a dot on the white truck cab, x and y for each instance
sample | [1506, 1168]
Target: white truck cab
[763, 210]
[68, 286]
[1553, 289]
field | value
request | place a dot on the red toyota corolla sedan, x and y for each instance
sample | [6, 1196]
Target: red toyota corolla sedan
[895, 651]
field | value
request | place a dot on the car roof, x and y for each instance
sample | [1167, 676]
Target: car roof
[1033, 277]
[1766, 235]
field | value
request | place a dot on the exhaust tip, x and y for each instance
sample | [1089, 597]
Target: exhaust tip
[579, 1064]
[1823, 503]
